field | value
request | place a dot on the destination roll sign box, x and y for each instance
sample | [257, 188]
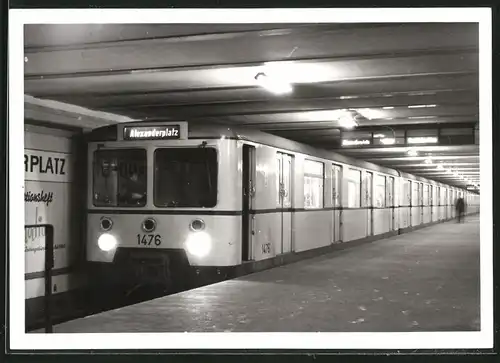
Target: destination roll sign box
[169, 132]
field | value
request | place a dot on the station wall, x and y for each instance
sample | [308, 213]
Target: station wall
[52, 181]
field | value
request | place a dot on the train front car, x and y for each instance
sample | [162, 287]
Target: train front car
[161, 206]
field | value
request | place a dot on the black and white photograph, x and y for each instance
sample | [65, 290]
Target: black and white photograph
[259, 172]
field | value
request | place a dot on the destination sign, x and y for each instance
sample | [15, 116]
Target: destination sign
[355, 142]
[152, 132]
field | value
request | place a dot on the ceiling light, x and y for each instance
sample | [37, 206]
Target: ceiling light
[369, 113]
[440, 167]
[412, 152]
[423, 140]
[346, 120]
[428, 161]
[388, 107]
[387, 141]
[297, 72]
[379, 135]
[346, 123]
[421, 106]
[273, 84]
[423, 93]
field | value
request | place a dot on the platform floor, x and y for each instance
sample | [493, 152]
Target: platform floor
[427, 280]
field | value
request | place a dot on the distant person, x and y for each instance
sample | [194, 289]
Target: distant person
[460, 208]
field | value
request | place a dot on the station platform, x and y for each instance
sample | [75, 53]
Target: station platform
[427, 280]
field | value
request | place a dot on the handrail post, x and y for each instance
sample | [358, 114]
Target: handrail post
[49, 265]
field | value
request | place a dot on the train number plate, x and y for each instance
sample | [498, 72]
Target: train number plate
[149, 240]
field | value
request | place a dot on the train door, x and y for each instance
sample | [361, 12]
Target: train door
[369, 203]
[248, 193]
[285, 200]
[336, 182]
[390, 201]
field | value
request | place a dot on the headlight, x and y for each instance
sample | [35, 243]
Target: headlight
[199, 244]
[107, 242]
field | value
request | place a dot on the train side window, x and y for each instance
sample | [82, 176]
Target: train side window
[336, 182]
[354, 188]
[426, 194]
[390, 191]
[415, 191]
[380, 188]
[420, 193]
[406, 192]
[278, 177]
[313, 184]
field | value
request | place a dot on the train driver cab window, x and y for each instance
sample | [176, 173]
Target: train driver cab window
[119, 178]
[313, 184]
[354, 189]
[185, 177]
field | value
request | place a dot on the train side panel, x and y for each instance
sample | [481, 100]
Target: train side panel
[266, 222]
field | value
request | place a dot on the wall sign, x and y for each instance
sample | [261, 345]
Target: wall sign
[41, 197]
[168, 132]
[47, 166]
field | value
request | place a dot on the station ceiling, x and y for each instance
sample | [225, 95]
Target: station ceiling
[392, 79]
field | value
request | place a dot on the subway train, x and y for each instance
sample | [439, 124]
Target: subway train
[172, 202]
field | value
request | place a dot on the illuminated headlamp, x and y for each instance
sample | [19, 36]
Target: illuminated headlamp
[107, 242]
[199, 244]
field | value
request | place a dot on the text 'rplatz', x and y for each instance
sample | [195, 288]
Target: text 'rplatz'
[44, 165]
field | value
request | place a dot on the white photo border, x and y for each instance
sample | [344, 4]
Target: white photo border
[19, 340]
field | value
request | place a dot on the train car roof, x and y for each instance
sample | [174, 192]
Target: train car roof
[246, 133]
[217, 130]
